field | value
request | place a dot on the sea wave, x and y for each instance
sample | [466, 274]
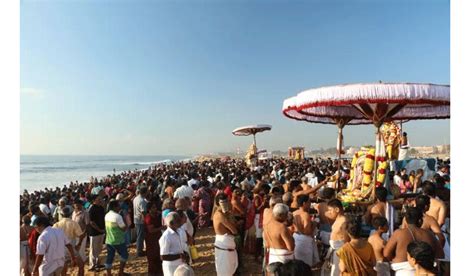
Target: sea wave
[142, 163]
[37, 172]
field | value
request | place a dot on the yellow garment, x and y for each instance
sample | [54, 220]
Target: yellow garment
[71, 229]
[357, 261]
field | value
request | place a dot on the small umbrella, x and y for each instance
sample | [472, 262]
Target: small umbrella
[251, 130]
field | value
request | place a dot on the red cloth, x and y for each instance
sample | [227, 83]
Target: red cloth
[257, 201]
[152, 244]
[228, 192]
[32, 240]
[250, 218]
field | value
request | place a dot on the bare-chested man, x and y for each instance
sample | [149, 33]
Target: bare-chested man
[378, 244]
[378, 208]
[298, 190]
[25, 230]
[429, 223]
[327, 194]
[225, 228]
[417, 182]
[267, 217]
[278, 237]
[267, 213]
[305, 246]
[437, 207]
[339, 234]
[287, 198]
[238, 209]
[396, 248]
[304, 183]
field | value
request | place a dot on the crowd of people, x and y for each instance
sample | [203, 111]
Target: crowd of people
[283, 213]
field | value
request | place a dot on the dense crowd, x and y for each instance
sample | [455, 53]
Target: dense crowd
[284, 213]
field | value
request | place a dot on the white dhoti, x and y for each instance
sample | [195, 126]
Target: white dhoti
[403, 154]
[258, 230]
[280, 255]
[446, 247]
[24, 257]
[325, 237]
[446, 250]
[334, 259]
[382, 268]
[169, 267]
[82, 250]
[226, 255]
[306, 249]
[47, 269]
[403, 269]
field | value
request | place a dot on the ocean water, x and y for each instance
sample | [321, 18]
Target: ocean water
[49, 171]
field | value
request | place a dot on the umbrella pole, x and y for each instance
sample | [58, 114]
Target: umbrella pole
[256, 149]
[377, 135]
[339, 145]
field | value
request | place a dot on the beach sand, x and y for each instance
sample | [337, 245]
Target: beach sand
[203, 266]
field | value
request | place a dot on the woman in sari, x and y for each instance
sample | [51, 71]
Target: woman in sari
[204, 195]
[153, 228]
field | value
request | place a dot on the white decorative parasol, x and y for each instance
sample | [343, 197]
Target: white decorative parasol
[251, 130]
[374, 103]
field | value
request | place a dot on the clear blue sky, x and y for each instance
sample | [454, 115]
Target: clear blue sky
[175, 77]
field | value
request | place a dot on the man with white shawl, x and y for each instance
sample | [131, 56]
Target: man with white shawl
[225, 247]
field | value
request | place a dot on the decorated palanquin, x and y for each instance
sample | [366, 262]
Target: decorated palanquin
[296, 153]
[361, 182]
[251, 156]
[391, 137]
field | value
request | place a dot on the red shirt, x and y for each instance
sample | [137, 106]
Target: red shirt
[228, 192]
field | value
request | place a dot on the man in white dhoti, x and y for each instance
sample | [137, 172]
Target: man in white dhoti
[396, 248]
[171, 247]
[277, 236]
[305, 246]
[225, 247]
[339, 234]
[378, 242]
[404, 146]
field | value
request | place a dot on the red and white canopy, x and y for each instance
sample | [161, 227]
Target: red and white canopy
[370, 103]
[250, 130]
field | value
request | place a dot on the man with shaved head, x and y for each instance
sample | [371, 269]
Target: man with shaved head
[278, 237]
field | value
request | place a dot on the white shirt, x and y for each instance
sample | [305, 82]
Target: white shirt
[44, 209]
[52, 244]
[193, 182]
[184, 191]
[183, 237]
[170, 243]
[397, 180]
[188, 226]
[139, 206]
[52, 207]
[313, 182]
